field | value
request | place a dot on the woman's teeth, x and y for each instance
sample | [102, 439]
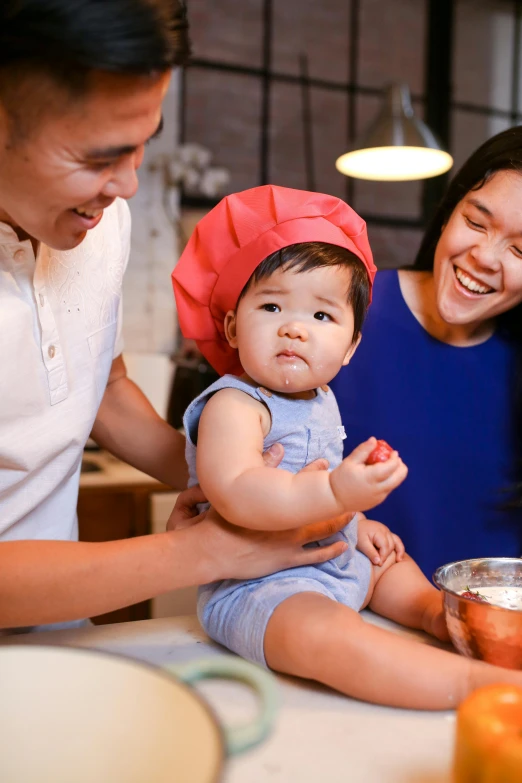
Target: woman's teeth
[470, 284]
[86, 213]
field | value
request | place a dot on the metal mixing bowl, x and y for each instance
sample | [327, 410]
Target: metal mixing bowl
[479, 630]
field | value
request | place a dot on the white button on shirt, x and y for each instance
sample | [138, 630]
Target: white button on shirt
[60, 328]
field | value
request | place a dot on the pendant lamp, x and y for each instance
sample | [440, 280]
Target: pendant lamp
[398, 146]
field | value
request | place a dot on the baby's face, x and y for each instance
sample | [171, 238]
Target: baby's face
[294, 330]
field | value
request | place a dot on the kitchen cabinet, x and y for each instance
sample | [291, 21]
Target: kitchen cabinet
[114, 503]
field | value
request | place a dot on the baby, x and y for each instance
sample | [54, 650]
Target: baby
[274, 285]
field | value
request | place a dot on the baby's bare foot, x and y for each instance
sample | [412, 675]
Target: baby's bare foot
[433, 621]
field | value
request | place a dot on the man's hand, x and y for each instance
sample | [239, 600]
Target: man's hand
[185, 512]
[377, 542]
[232, 552]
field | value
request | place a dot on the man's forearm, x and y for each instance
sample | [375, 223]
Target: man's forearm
[56, 581]
[128, 426]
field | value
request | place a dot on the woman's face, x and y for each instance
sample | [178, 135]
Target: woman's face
[478, 259]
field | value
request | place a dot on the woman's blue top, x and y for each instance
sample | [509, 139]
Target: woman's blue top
[449, 413]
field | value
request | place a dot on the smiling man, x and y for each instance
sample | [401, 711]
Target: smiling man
[81, 88]
[82, 151]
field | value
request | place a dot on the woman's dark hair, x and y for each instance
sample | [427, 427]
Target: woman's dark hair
[67, 39]
[305, 256]
[503, 152]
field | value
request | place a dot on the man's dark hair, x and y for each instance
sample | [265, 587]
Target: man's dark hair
[68, 39]
[305, 256]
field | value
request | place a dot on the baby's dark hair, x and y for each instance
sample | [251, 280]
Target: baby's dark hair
[305, 256]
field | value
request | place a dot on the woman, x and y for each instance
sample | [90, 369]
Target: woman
[439, 371]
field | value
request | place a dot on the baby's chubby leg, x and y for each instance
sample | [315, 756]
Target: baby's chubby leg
[401, 592]
[312, 636]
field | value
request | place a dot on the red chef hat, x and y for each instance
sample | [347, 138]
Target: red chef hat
[234, 238]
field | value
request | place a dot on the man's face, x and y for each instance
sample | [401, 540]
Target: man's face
[56, 180]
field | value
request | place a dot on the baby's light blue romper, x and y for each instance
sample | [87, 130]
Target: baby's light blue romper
[235, 612]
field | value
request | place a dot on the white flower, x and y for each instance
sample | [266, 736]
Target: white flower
[191, 180]
[214, 181]
[176, 170]
[194, 155]
[189, 167]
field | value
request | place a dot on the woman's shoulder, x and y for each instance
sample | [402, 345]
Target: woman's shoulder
[388, 281]
[384, 277]
[387, 302]
[385, 286]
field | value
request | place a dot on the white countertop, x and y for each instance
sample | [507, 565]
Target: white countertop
[320, 736]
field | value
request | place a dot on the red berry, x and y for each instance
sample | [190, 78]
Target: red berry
[381, 453]
[474, 596]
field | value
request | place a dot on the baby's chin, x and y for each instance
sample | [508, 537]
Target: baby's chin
[291, 383]
[294, 378]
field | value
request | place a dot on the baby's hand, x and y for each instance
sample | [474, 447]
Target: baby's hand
[377, 542]
[358, 486]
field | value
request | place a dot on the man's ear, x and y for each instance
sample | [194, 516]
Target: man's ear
[351, 350]
[230, 328]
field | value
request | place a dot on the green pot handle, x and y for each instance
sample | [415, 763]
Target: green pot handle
[237, 738]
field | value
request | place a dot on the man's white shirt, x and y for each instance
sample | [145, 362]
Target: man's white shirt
[60, 328]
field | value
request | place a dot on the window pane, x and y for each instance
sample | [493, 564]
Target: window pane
[287, 161]
[394, 247]
[222, 112]
[227, 30]
[330, 139]
[469, 131]
[391, 46]
[318, 29]
[394, 199]
[518, 107]
[483, 52]
[288, 165]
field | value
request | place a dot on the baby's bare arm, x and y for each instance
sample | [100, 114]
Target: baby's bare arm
[235, 479]
[237, 483]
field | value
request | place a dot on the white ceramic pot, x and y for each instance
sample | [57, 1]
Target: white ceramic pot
[70, 715]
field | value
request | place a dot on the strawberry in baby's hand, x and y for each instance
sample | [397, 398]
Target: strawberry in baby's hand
[381, 453]
[474, 595]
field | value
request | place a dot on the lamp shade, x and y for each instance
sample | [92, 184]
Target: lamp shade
[398, 146]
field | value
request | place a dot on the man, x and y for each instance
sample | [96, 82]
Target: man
[81, 88]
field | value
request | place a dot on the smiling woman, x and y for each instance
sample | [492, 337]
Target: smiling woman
[446, 336]
[477, 272]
